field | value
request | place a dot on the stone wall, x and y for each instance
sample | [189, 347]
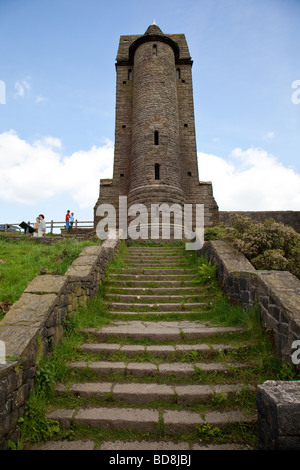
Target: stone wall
[290, 218]
[34, 324]
[277, 293]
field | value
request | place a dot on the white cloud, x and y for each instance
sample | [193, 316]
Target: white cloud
[251, 180]
[21, 86]
[40, 99]
[269, 135]
[36, 172]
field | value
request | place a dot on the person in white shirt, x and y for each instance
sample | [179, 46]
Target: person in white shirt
[42, 226]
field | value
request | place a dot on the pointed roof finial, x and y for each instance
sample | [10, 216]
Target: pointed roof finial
[153, 22]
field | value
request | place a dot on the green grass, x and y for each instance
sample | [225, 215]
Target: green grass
[21, 261]
[253, 349]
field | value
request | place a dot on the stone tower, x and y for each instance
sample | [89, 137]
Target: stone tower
[155, 159]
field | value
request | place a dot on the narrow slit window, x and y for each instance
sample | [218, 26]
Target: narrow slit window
[129, 74]
[155, 49]
[156, 171]
[156, 138]
[177, 73]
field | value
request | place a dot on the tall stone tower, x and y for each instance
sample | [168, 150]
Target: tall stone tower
[155, 159]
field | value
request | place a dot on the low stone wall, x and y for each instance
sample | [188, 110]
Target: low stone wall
[277, 293]
[35, 323]
[278, 406]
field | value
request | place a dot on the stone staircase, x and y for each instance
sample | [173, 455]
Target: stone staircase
[149, 369]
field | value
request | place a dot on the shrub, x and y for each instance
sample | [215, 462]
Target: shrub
[268, 245]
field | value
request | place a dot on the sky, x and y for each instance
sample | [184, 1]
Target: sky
[57, 99]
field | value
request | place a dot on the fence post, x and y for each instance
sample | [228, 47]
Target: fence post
[51, 227]
[76, 223]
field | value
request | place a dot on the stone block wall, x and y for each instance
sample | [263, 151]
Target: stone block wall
[278, 405]
[35, 323]
[277, 293]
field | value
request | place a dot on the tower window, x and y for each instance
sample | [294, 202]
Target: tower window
[129, 74]
[186, 125]
[156, 138]
[154, 49]
[189, 173]
[177, 73]
[156, 171]
[124, 126]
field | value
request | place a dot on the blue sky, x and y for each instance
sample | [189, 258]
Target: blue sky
[57, 63]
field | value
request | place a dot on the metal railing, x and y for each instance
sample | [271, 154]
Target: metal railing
[51, 227]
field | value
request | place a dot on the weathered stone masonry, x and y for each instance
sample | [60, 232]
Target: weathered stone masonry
[155, 158]
[35, 323]
[277, 293]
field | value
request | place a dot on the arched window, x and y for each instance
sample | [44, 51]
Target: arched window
[154, 49]
[156, 139]
[156, 171]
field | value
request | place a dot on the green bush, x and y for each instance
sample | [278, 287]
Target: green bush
[268, 245]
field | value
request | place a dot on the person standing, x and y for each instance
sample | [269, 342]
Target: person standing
[67, 220]
[42, 226]
[71, 219]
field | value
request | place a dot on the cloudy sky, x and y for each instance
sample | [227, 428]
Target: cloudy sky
[57, 99]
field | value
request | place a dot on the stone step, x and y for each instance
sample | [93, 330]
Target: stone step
[151, 277]
[168, 422]
[155, 313]
[143, 257]
[159, 331]
[147, 369]
[162, 351]
[155, 271]
[167, 307]
[168, 291]
[162, 298]
[151, 392]
[142, 284]
[155, 262]
[162, 445]
[155, 249]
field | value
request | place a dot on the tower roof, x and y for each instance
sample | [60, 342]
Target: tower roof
[128, 44]
[154, 29]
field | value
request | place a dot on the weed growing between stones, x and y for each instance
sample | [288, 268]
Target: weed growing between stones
[248, 346]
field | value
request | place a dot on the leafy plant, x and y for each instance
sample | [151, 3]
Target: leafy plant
[35, 425]
[207, 432]
[207, 273]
